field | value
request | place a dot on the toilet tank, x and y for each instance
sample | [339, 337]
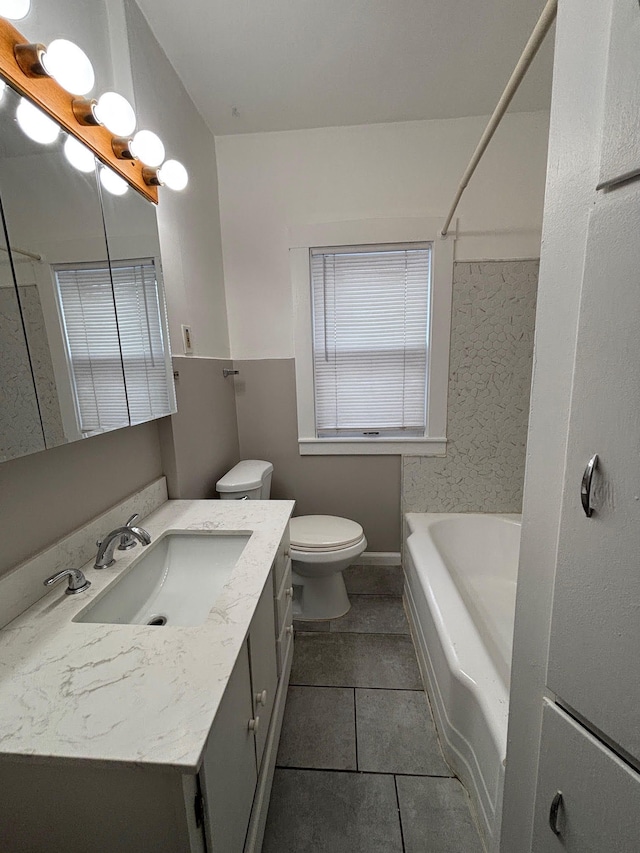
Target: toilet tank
[248, 480]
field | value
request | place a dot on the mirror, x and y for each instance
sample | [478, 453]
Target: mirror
[20, 425]
[96, 332]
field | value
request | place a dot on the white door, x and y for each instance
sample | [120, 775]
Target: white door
[594, 659]
[228, 774]
[264, 670]
[587, 799]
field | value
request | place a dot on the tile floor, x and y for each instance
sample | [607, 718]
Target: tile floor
[359, 768]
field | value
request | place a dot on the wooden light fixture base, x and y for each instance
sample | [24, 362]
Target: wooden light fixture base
[58, 103]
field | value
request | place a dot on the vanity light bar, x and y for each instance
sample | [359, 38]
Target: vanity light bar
[57, 79]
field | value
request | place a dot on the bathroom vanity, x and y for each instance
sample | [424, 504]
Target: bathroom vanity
[130, 737]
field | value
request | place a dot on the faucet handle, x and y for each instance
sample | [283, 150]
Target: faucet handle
[77, 581]
[126, 540]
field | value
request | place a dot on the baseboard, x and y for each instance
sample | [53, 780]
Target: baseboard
[378, 558]
[255, 832]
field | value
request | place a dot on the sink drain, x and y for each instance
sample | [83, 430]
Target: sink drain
[157, 620]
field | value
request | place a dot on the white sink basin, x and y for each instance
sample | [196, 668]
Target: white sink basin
[174, 581]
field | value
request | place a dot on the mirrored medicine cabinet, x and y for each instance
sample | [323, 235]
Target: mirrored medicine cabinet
[84, 344]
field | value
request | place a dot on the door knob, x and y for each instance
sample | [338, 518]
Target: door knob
[585, 485]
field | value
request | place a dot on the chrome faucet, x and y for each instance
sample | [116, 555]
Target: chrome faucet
[107, 546]
[77, 581]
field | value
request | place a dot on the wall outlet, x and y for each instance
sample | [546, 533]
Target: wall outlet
[187, 340]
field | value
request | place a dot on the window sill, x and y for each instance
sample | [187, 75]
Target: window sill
[370, 447]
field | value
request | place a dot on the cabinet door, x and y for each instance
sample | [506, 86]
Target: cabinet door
[228, 774]
[595, 631]
[600, 806]
[264, 669]
[621, 140]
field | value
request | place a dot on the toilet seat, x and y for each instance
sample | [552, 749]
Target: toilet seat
[321, 534]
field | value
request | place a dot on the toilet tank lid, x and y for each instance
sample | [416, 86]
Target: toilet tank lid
[248, 474]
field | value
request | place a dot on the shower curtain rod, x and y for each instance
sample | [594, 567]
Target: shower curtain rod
[24, 252]
[535, 40]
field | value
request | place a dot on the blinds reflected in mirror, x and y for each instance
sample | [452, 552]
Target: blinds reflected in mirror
[117, 354]
[370, 340]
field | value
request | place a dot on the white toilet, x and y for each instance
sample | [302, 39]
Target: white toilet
[322, 546]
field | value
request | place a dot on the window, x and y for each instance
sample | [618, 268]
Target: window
[372, 337]
[117, 353]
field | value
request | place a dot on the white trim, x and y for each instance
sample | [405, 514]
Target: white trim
[378, 558]
[367, 446]
[373, 232]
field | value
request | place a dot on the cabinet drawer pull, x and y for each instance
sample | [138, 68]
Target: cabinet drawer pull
[261, 698]
[289, 630]
[253, 724]
[585, 485]
[556, 803]
[289, 592]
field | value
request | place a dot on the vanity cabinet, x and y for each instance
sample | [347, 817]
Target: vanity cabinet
[81, 806]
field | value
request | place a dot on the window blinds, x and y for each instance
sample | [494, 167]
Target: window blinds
[115, 343]
[370, 340]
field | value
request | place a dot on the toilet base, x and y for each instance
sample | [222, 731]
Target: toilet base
[320, 598]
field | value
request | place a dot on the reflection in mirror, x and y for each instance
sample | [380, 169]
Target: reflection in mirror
[134, 252]
[53, 215]
[20, 424]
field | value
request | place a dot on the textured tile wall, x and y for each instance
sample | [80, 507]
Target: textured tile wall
[489, 382]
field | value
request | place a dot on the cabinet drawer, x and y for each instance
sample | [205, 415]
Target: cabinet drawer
[283, 560]
[600, 805]
[284, 597]
[285, 638]
[264, 667]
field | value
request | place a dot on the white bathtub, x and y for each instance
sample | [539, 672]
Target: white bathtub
[460, 588]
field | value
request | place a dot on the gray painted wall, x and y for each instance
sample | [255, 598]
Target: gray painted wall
[200, 442]
[492, 332]
[364, 488]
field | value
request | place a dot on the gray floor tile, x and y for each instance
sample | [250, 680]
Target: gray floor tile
[396, 733]
[374, 580]
[436, 816]
[373, 614]
[319, 729]
[355, 660]
[315, 811]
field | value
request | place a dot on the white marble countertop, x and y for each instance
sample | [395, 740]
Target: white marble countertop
[132, 694]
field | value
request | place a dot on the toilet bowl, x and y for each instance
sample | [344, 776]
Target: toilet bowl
[322, 546]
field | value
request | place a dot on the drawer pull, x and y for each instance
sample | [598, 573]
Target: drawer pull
[556, 803]
[261, 698]
[585, 485]
[289, 630]
[289, 592]
[253, 724]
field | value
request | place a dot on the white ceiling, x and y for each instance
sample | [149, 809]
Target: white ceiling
[257, 65]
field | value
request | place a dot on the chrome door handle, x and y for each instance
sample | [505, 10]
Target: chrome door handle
[585, 486]
[556, 803]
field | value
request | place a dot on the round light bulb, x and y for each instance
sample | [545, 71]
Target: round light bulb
[113, 183]
[69, 66]
[14, 9]
[80, 157]
[35, 123]
[173, 175]
[148, 148]
[115, 113]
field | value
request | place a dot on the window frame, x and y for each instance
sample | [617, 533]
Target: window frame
[374, 232]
